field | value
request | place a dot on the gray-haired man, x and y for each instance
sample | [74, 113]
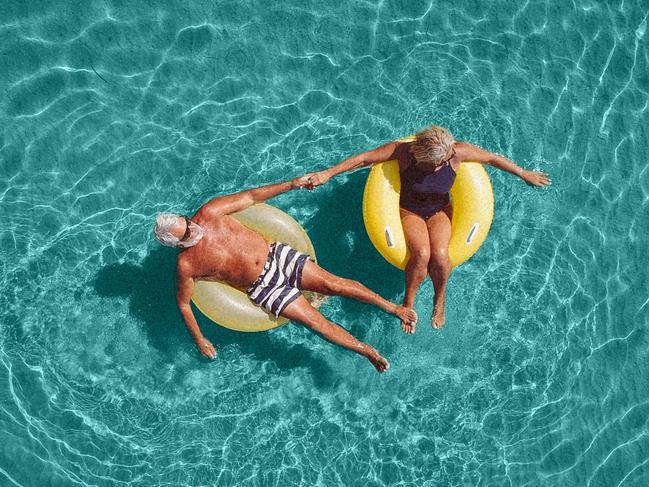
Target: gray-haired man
[215, 246]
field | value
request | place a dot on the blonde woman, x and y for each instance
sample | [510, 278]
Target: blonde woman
[427, 167]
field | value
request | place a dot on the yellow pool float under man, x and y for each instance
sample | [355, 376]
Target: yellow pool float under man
[427, 166]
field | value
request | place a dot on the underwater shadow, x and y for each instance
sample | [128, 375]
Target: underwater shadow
[340, 211]
[339, 216]
[151, 290]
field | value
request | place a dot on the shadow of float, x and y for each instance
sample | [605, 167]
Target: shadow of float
[343, 248]
[151, 291]
[339, 216]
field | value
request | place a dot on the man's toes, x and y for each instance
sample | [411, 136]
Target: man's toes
[407, 327]
[383, 365]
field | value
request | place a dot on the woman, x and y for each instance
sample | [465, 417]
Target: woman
[427, 167]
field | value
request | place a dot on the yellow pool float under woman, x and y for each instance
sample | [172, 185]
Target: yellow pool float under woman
[428, 164]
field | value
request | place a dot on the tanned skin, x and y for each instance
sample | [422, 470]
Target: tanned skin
[232, 253]
[428, 240]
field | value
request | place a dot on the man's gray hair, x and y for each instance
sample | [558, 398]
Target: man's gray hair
[431, 145]
[163, 225]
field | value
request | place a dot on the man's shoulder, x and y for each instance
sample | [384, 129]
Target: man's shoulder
[184, 263]
[208, 214]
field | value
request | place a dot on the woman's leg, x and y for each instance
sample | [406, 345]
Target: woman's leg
[439, 265]
[418, 242]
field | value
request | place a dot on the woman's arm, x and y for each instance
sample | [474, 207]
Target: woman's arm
[469, 152]
[380, 154]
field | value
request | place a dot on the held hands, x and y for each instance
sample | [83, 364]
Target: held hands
[536, 178]
[315, 179]
[299, 183]
[206, 348]
[310, 180]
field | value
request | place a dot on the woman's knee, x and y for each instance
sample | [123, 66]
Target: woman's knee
[439, 257]
[420, 256]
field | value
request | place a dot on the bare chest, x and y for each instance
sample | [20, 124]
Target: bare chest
[233, 255]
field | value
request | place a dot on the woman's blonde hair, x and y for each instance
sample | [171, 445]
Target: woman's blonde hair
[431, 145]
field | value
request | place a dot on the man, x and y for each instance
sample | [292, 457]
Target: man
[215, 246]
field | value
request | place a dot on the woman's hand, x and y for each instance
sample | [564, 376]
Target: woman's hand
[536, 178]
[300, 182]
[206, 348]
[317, 179]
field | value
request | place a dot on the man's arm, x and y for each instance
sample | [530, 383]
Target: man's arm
[240, 201]
[384, 153]
[183, 295]
[470, 152]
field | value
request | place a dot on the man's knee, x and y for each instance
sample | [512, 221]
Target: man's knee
[336, 284]
[316, 323]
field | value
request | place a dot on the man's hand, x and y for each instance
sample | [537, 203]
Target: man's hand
[301, 182]
[536, 178]
[316, 179]
[206, 348]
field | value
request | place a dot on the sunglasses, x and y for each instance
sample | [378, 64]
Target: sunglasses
[188, 231]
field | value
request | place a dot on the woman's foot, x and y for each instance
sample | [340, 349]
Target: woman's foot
[438, 314]
[379, 363]
[408, 318]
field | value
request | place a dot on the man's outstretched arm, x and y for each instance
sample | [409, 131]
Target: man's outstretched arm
[240, 201]
[183, 294]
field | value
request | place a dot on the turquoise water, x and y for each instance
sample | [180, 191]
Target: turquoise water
[114, 112]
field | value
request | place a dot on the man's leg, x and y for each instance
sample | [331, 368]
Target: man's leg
[315, 278]
[300, 310]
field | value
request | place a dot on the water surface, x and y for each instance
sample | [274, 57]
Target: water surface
[114, 112]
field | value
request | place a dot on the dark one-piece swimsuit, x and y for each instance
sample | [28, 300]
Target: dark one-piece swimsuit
[424, 192]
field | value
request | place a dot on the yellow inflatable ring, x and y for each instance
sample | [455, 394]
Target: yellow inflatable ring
[232, 308]
[473, 209]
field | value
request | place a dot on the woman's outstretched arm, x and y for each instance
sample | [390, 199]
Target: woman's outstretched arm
[469, 152]
[380, 154]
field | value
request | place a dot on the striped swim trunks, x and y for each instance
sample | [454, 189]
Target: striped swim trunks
[279, 283]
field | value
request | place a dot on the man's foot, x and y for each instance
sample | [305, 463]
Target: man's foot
[408, 327]
[438, 315]
[379, 363]
[408, 318]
